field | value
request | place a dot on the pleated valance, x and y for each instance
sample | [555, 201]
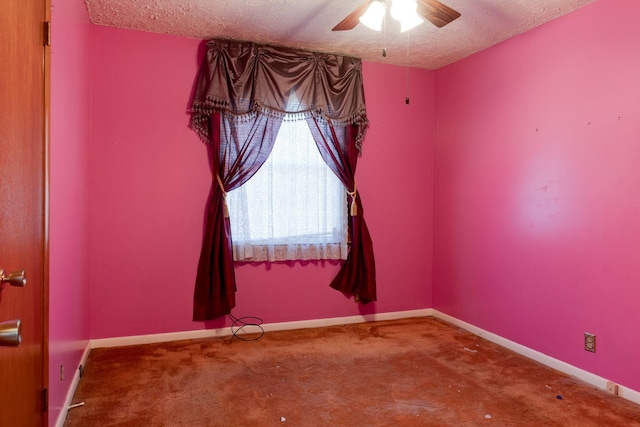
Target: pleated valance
[242, 79]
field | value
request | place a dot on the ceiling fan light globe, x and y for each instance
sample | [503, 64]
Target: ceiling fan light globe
[374, 15]
[410, 22]
[402, 9]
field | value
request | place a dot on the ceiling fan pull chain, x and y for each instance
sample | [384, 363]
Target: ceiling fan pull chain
[384, 36]
[406, 100]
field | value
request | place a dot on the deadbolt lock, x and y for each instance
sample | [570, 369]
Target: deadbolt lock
[17, 278]
[10, 333]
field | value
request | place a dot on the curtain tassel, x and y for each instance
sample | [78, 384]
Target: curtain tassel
[354, 205]
[225, 208]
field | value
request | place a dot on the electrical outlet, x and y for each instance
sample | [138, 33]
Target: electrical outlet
[612, 387]
[590, 342]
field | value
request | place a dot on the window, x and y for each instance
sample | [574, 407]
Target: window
[293, 208]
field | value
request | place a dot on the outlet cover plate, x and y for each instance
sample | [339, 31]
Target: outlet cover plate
[590, 342]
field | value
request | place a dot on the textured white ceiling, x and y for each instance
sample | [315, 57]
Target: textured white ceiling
[307, 24]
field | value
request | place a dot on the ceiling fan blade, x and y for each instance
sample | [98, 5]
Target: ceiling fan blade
[437, 13]
[351, 20]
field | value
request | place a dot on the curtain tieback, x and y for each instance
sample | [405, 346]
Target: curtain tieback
[224, 197]
[354, 205]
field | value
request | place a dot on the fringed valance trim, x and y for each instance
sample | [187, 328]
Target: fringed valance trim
[201, 113]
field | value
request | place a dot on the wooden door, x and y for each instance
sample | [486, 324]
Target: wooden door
[22, 208]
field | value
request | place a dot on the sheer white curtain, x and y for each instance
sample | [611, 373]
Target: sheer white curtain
[293, 208]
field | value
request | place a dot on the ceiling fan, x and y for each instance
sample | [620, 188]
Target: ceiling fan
[432, 10]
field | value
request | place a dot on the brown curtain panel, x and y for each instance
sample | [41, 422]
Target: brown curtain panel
[357, 276]
[240, 99]
[238, 149]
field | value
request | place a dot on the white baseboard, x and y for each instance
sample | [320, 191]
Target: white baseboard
[62, 416]
[267, 327]
[588, 377]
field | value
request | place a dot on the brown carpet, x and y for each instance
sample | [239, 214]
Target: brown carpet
[413, 372]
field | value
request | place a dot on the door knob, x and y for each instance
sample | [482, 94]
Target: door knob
[17, 278]
[10, 333]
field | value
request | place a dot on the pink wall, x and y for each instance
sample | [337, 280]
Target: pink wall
[69, 196]
[536, 189]
[150, 180]
[535, 204]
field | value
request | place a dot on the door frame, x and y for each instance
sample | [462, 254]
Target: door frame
[46, 63]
